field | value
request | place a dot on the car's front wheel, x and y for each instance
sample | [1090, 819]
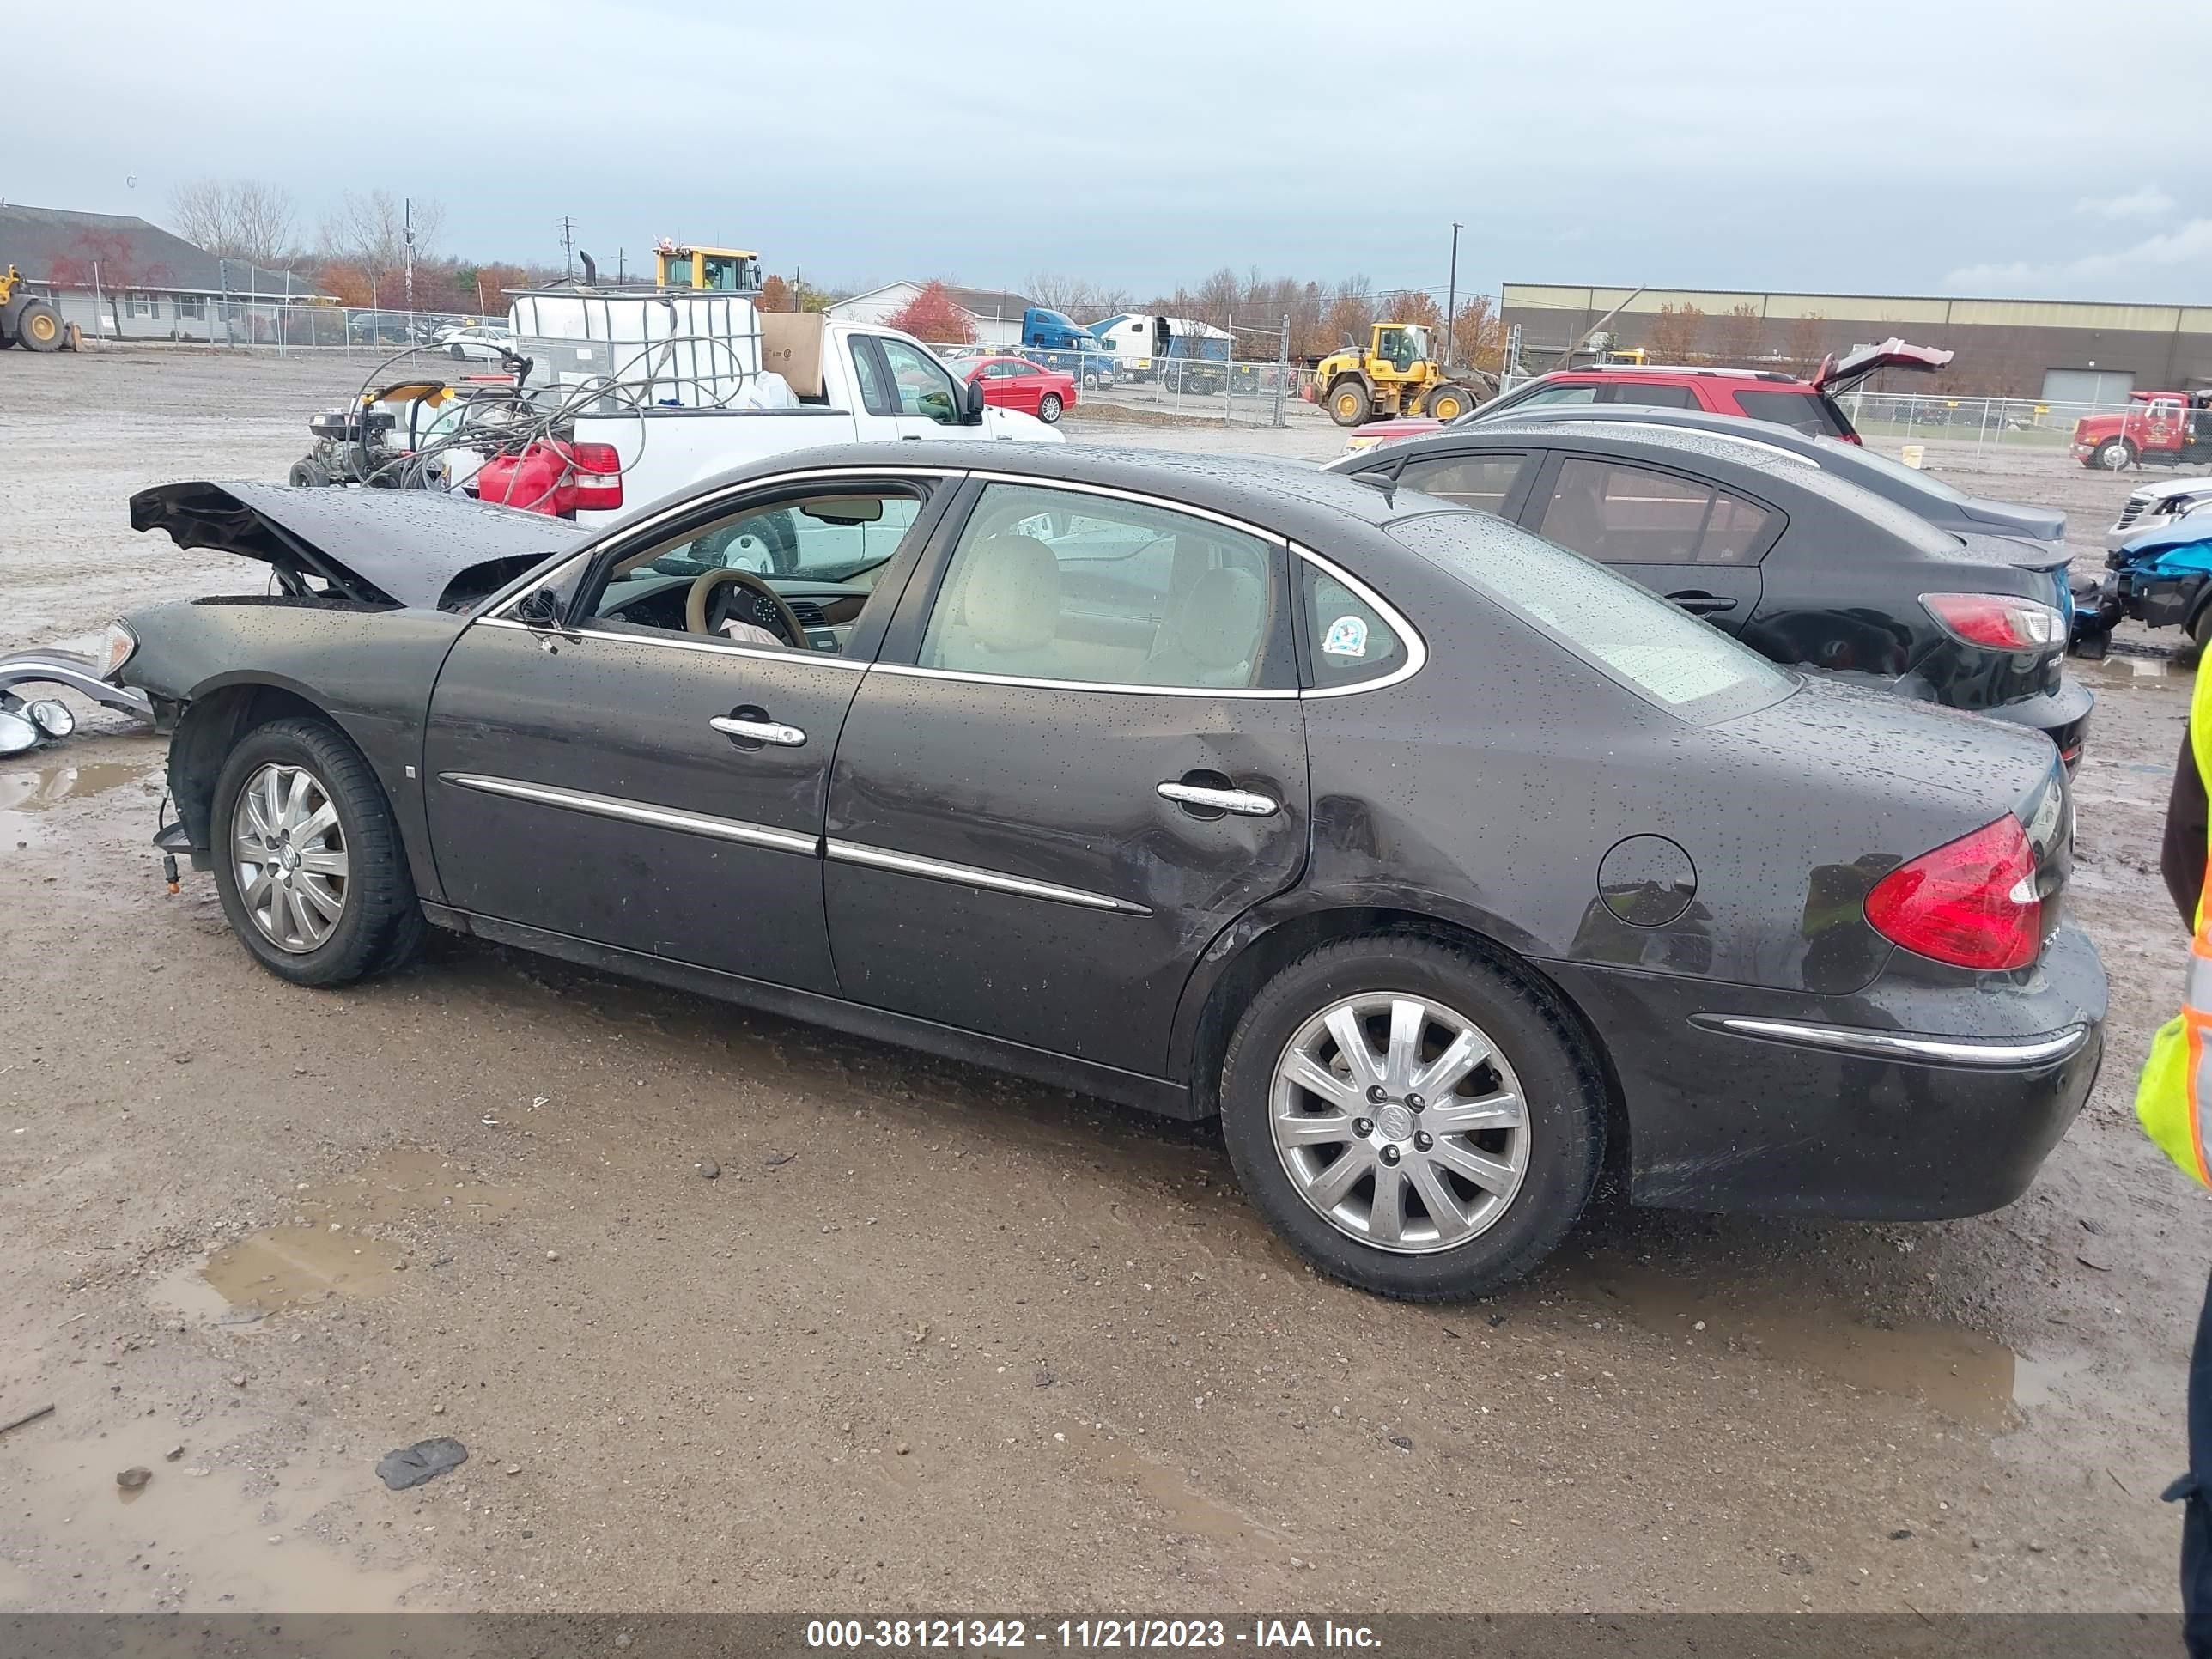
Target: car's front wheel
[308, 860]
[2113, 454]
[1416, 1119]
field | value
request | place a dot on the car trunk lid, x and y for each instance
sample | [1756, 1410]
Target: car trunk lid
[1838, 372]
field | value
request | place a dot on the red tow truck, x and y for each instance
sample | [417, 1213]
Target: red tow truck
[2158, 428]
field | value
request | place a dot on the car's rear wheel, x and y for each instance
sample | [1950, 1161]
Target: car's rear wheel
[2113, 454]
[1049, 408]
[1415, 1118]
[307, 862]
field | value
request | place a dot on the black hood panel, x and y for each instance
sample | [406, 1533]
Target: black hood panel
[403, 547]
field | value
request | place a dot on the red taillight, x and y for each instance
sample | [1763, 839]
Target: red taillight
[598, 478]
[1971, 903]
[1998, 621]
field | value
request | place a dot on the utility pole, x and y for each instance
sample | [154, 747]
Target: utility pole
[1451, 296]
[407, 233]
[567, 245]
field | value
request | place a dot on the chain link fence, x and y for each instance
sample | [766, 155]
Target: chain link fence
[209, 319]
[1242, 376]
[1986, 423]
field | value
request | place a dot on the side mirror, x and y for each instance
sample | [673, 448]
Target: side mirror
[971, 402]
[540, 608]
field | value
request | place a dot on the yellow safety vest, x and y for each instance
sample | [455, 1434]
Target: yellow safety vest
[2174, 1098]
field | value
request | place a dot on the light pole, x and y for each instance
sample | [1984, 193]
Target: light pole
[1452, 297]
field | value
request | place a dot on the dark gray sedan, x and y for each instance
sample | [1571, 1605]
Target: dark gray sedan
[1442, 864]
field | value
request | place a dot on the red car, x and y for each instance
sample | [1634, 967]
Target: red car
[1754, 393]
[1016, 383]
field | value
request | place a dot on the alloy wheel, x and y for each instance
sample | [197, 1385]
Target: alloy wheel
[1400, 1122]
[289, 854]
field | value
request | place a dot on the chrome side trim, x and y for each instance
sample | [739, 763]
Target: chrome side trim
[631, 812]
[38, 667]
[820, 659]
[909, 671]
[846, 851]
[1416, 648]
[1991, 1055]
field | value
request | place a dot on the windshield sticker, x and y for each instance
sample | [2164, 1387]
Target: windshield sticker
[1347, 637]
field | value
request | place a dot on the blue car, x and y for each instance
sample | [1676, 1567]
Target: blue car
[2162, 578]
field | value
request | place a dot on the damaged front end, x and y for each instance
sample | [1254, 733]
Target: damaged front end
[26, 719]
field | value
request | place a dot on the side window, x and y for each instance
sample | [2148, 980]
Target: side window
[1805, 412]
[1657, 396]
[818, 554]
[875, 394]
[1347, 639]
[923, 386]
[1059, 585]
[1558, 394]
[1481, 482]
[1622, 514]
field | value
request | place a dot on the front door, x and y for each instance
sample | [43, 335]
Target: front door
[647, 768]
[1083, 757]
[929, 402]
[1681, 537]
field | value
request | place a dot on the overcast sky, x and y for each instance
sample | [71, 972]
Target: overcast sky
[1943, 146]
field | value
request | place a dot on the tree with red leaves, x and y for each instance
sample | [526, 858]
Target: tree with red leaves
[933, 316]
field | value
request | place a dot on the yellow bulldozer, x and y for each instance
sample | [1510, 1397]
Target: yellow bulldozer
[27, 320]
[1397, 375]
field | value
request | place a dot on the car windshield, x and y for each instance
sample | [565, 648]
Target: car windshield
[1687, 667]
[1891, 467]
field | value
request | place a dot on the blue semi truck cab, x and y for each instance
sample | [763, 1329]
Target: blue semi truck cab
[1058, 341]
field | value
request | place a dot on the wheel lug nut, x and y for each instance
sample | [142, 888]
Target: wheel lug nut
[1421, 1141]
[1390, 1154]
[1415, 1102]
[1362, 1127]
[1376, 1095]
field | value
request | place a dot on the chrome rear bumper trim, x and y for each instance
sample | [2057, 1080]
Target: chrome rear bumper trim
[2003, 1054]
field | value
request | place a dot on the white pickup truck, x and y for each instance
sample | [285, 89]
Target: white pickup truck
[716, 398]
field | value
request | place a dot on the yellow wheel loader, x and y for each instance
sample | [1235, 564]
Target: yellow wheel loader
[1397, 375]
[29, 321]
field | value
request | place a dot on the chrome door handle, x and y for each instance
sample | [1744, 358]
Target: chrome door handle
[775, 732]
[1242, 802]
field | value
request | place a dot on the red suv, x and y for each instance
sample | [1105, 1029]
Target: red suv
[1754, 393]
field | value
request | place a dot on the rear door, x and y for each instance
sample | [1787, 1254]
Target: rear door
[1681, 536]
[1082, 756]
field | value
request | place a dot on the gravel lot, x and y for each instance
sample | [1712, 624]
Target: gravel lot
[934, 1338]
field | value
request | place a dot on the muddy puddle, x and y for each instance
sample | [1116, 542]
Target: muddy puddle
[354, 1236]
[1960, 1373]
[190, 1539]
[26, 791]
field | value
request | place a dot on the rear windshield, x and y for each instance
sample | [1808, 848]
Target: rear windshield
[1687, 667]
[1921, 482]
[1808, 411]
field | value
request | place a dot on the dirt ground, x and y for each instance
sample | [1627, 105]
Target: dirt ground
[933, 1339]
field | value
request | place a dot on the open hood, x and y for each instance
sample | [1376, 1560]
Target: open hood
[403, 547]
[1836, 373]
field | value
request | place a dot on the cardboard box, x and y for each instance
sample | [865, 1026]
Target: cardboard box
[791, 345]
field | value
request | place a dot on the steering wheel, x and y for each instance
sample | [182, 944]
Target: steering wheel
[709, 605]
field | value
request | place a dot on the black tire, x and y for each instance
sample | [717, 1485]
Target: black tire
[39, 326]
[308, 473]
[381, 925]
[1349, 403]
[1049, 408]
[1564, 1094]
[2113, 455]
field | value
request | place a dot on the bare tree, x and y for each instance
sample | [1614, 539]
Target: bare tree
[235, 218]
[1740, 331]
[1070, 296]
[1803, 345]
[370, 229]
[1674, 336]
